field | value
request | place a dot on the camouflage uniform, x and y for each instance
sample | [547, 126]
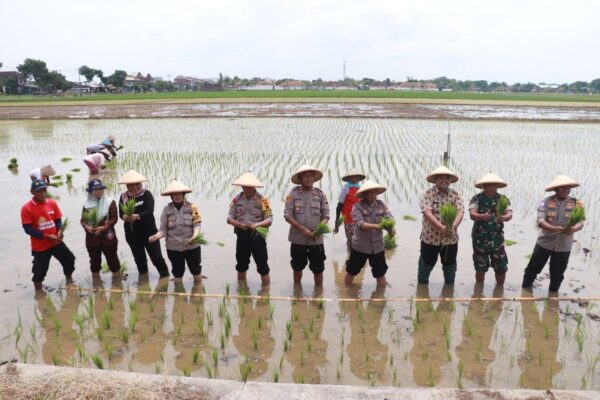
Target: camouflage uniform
[488, 237]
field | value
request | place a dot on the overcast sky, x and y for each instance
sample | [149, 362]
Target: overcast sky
[509, 40]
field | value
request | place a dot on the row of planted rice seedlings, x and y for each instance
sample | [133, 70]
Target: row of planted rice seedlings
[521, 344]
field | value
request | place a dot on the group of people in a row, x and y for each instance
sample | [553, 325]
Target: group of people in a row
[307, 212]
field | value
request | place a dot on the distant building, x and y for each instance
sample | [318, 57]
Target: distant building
[12, 82]
[265, 84]
[293, 85]
[418, 86]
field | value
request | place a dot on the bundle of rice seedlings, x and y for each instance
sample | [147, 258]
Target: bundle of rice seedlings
[76, 169]
[448, 215]
[262, 231]
[341, 220]
[321, 229]
[13, 164]
[65, 225]
[69, 178]
[120, 147]
[502, 205]
[387, 224]
[90, 217]
[128, 208]
[65, 159]
[56, 177]
[389, 242]
[577, 215]
[407, 217]
[104, 267]
[199, 239]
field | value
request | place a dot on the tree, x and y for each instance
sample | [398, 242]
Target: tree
[387, 83]
[57, 81]
[164, 86]
[9, 85]
[89, 73]
[595, 85]
[1, 64]
[367, 81]
[117, 78]
[35, 69]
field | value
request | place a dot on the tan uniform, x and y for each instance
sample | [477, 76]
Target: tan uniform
[308, 207]
[250, 211]
[178, 225]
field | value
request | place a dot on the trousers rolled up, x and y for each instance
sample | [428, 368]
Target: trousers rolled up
[139, 246]
[558, 265]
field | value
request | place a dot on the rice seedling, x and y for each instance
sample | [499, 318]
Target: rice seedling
[461, 369]
[209, 370]
[407, 217]
[215, 357]
[128, 208]
[275, 375]
[76, 169]
[156, 368]
[579, 339]
[209, 318]
[502, 205]
[220, 244]
[110, 350]
[123, 270]
[97, 360]
[448, 215]
[245, 369]
[124, 336]
[389, 242]
[56, 177]
[195, 356]
[577, 216]
[222, 342]
[199, 239]
[66, 224]
[254, 339]
[387, 224]
[321, 229]
[508, 242]
[13, 164]
[286, 345]
[133, 319]
[105, 320]
[200, 327]
[187, 371]
[90, 217]
[262, 231]
[57, 325]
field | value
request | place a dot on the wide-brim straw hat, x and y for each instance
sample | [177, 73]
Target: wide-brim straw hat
[490, 178]
[369, 186]
[441, 170]
[561, 180]
[175, 187]
[248, 180]
[132, 176]
[306, 168]
[111, 138]
[47, 170]
[353, 172]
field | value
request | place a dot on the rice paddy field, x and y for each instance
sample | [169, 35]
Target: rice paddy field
[400, 335]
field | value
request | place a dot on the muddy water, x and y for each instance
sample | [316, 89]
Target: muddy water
[511, 344]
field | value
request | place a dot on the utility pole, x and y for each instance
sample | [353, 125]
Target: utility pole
[447, 152]
[344, 73]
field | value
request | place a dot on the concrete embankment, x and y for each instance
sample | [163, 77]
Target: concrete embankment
[26, 381]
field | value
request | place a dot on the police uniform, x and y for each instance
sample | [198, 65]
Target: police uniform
[308, 207]
[178, 225]
[254, 210]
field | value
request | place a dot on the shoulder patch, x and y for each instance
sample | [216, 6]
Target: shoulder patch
[196, 217]
[289, 198]
[266, 207]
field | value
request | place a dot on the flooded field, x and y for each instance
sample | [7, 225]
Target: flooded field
[403, 342]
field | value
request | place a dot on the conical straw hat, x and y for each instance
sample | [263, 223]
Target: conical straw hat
[561, 180]
[248, 180]
[132, 176]
[47, 170]
[368, 186]
[353, 172]
[490, 178]
[175, 187]
[442, 170]
[306, 168]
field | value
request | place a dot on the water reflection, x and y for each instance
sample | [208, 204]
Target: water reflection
[149, 337]
[538, 361]
[109, 313]
[432, 336]
[254, 339]
[190, 329]
[307, 351]
[474, 353]
[59, 346]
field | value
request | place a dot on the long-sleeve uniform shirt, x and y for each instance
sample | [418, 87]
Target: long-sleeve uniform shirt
[254, 210]
[369, 241]
[308, 207]
[178, 225]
